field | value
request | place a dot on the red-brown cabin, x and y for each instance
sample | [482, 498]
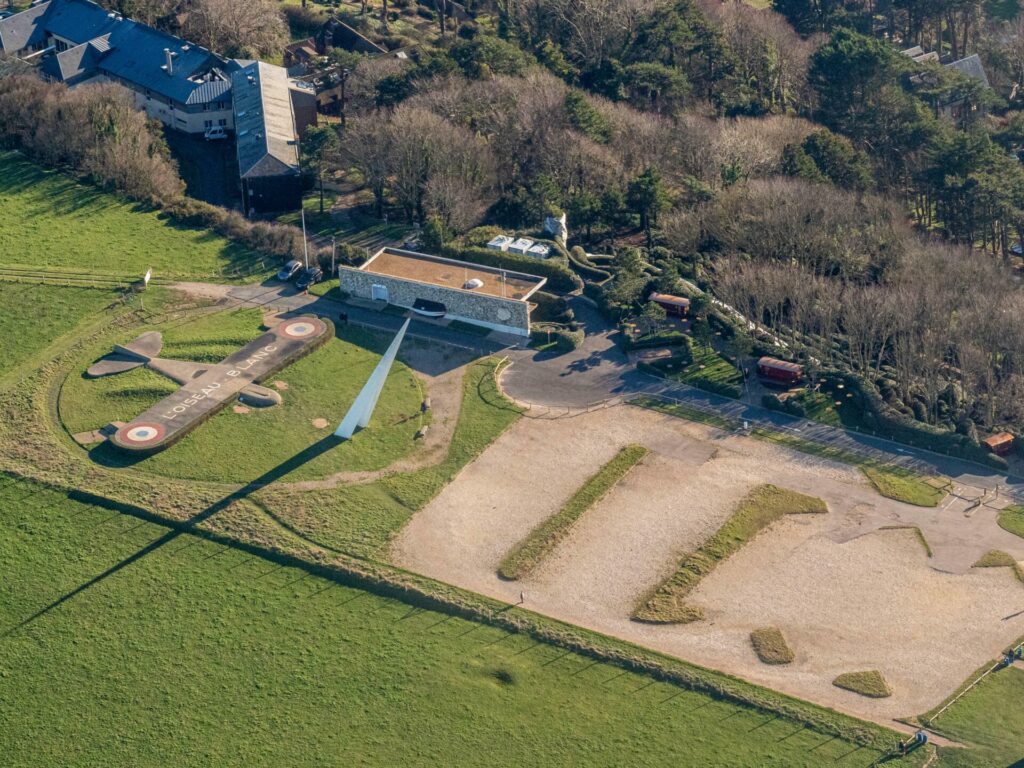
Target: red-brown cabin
[674, 305]
[779, 371]
[1000, 443]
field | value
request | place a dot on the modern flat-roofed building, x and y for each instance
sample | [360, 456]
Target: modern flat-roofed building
[434, 286]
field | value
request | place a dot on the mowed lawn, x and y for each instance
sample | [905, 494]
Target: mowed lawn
[990, 718]
[33, 316]
[238, 447]
[195, 654]
[51, 221]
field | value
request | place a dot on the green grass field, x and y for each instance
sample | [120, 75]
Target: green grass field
[990, 719]
[195, 654]
[1012, 519]
[234, 447]
[50, 221]
[33, 316]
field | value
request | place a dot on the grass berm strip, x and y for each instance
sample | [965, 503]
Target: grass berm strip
[996, 558]
[528, 553]
[891, 481]
[770, 646]
[1012, 519]
[762, 507]
[869, 683]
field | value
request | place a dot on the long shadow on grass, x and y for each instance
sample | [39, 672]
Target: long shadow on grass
[272, 475]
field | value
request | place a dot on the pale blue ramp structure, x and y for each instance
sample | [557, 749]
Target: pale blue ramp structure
[359, 414]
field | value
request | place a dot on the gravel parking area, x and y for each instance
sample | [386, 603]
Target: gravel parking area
[846, 595]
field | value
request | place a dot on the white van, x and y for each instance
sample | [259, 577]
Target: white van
[216, 132]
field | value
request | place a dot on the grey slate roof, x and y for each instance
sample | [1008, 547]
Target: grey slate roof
[23, 29]
[122, 48]
[264, 124]
[972, 67]
[77, 61]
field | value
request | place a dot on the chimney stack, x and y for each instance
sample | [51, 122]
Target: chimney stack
[169, 57]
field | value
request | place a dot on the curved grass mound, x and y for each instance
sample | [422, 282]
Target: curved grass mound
[1012, 519]
[529, 553]
[869, 683]
[771, 647]
[902, 485]
[762, 507]
[996, 558]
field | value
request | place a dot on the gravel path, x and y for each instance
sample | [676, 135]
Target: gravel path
[846, 601]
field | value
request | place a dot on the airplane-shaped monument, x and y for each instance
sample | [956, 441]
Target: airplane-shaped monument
[206, 388]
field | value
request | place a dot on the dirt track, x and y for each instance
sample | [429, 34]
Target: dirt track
[846, 597]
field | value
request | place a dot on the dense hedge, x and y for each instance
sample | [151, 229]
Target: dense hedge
[660, 339]
[565, 340]
[558, 275]
[886, 422]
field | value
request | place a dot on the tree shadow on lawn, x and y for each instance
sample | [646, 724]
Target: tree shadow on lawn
[189, 526]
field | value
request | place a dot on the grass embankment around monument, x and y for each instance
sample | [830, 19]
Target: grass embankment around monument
[34, 316]
[99, 613]
[540, 542]
[50, 221]
[762, 506]
[240, 446]
[891, 481]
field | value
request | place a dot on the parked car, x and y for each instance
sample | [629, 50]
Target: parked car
[289, 270]
[215, 133]
[311, 276]
[1017, 249]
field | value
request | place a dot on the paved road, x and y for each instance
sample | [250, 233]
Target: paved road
[599, 372]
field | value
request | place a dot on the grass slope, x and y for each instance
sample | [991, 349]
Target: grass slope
[529, 553]
[762, 507]
[50, 220]
[990, 719]
[233, 447]
[195, 654]
[869, 683]
[33, 316]
[770, 646]
[901, 485]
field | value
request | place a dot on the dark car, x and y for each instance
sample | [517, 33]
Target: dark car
[311, 276]
[289, 270]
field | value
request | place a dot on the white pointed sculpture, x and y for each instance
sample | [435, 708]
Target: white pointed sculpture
[359, 414]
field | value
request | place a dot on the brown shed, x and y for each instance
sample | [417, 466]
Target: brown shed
[1000, 443]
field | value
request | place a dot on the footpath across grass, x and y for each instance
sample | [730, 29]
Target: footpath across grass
[762, 507]
[532, 550]
[197, 654]
[51, 221]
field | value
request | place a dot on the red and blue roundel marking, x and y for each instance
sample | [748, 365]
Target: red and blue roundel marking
[141, 433]
[301, 328]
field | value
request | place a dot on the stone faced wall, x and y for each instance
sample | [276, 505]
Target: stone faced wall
[508, 315]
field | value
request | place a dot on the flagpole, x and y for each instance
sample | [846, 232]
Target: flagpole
[305, 248]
